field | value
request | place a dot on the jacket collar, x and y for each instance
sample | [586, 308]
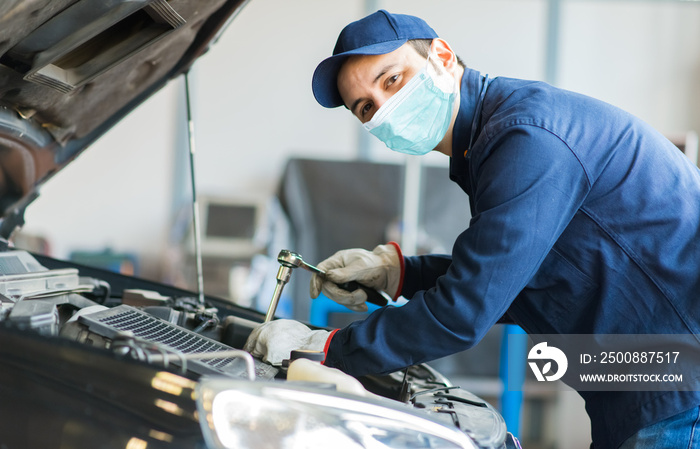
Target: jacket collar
[470, 91]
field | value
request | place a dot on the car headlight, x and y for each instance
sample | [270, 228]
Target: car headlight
[239, 414]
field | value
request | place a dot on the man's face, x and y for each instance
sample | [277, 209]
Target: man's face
[366, 82]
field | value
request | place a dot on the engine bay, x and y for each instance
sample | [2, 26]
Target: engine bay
[184, 336]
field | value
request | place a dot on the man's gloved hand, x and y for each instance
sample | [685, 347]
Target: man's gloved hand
[274, 341]
[380, 269]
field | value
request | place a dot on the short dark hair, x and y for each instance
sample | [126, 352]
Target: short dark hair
[422, 46]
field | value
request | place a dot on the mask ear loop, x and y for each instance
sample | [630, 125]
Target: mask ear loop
[477, 112]
[433, 65]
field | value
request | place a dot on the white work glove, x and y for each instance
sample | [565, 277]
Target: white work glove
[275, 340]
[379, 269]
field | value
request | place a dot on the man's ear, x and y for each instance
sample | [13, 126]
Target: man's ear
[443, 51]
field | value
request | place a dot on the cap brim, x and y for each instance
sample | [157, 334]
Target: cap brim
[325, 79]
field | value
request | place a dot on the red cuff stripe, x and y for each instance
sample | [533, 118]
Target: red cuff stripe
[328, 343]
[403, 269]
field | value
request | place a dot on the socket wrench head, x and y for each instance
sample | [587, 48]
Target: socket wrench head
[292, 260]
[289, 259]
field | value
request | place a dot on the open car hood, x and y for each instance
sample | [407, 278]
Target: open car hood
[71, 69]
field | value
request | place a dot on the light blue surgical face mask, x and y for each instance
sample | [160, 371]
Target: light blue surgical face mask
[415, 119]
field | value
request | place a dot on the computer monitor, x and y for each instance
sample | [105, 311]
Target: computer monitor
[231, 228]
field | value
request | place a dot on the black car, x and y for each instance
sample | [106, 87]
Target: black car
[94, 359]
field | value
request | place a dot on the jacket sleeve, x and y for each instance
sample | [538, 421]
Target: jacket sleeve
[422, 272]
[530, 185]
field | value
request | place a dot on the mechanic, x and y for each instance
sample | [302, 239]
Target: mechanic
[585, 221]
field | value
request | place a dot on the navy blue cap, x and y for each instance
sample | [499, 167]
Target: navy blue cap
[377, 34]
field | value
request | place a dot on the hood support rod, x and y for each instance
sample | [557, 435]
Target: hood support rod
[195, 205]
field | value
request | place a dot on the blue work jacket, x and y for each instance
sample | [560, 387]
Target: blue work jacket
[585, 220]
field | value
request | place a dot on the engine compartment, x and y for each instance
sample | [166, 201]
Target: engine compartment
[172, 331]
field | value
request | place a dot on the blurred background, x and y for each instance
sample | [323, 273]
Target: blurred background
[276, 171]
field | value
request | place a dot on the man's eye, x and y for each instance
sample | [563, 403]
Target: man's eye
[365, 109]
[391, 80]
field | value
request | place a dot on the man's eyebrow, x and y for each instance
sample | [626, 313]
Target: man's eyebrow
[381, 73]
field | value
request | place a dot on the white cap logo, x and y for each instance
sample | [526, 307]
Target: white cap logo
[543, 352]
